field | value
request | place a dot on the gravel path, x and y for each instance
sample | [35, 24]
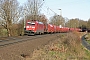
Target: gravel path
[14, 52]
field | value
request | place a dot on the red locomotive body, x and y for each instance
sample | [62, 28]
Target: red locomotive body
[34, 27]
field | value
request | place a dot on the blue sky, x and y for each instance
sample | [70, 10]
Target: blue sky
[69, 8]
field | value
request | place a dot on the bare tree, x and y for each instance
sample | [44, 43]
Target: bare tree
[88, 24]
[76, 23]
[57, 20]
[33, 8]
[9, 14]
[73, 23]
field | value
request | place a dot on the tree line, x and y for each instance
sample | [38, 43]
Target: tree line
[71, 23]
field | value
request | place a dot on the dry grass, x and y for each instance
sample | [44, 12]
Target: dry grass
[65, 47]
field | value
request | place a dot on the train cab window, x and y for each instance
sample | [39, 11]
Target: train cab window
[30, 23]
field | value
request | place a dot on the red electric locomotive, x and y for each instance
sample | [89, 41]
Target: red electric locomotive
[34, 27]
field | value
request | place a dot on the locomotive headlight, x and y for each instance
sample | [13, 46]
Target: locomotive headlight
[27, 27]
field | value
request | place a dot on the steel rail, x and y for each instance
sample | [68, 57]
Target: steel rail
[12, 41]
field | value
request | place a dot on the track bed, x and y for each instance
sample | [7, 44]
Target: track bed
[26, 47]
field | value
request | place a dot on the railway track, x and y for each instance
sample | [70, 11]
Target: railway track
[13, 40]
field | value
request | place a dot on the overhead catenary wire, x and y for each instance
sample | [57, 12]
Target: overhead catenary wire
[49, 10]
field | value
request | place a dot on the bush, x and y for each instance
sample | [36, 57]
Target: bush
[65, 47]
[3, 32]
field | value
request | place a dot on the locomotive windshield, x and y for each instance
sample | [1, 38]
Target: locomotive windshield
[30, 23]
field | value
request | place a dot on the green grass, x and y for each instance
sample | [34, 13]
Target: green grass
[88, 41]
[89, 34]
[88, 38]
[87, 52]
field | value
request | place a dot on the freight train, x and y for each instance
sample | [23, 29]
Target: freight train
[34, 27]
